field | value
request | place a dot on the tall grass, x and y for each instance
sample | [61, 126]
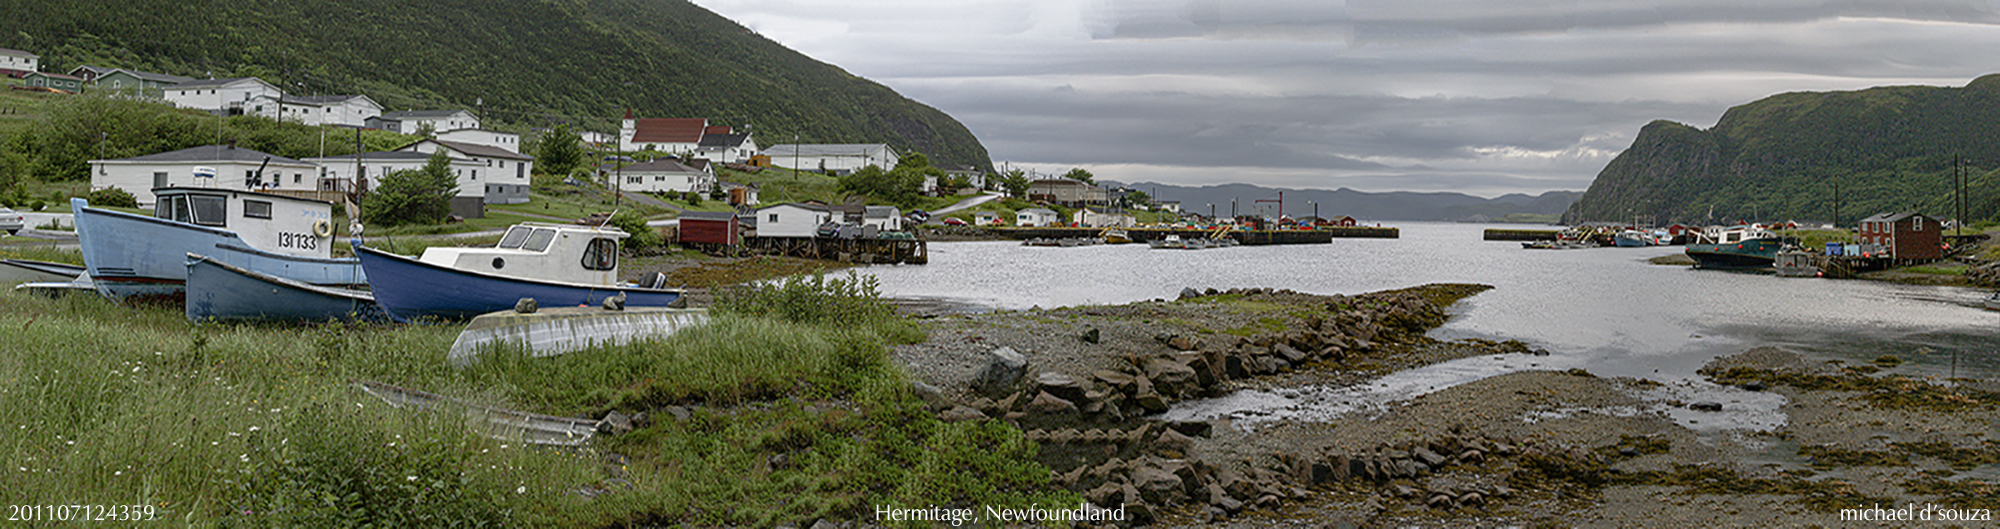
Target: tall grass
[42, 252]
[796, 415]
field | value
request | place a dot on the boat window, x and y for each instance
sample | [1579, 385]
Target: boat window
[514, 237]
[164, 209]
[601, 254]
[181, 209]
[539, 241]
[209, 211]
[257, 209]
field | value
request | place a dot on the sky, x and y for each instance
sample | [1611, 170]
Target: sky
[1478, 97]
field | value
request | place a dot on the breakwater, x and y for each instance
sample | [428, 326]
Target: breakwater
[1247, 237]
[1510, 234]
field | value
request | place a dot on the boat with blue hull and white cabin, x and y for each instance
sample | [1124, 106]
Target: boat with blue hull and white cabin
[217, 290]
[555, 264]
[130, 255]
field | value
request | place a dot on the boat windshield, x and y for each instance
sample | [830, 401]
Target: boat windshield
[514, 237]
[601, 254]
[210, 211]
[539, 241]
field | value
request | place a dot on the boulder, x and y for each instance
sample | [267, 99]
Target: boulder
[1090, 335]
[1220, 499]
[1105, 494]
[1151, 402]
[614, 423]
[1290, 354]
[933, 397]
[1170, 377]
[1192, 428]
[1060, 385]
[1189, 293]
[1204, 372]
[1183, 342]
[1003, 369]
[1429, 458]
[1047, 404]
[1234, 366]
[960, 414]
[1173, 440]
[1119, 381]
[1706, 406]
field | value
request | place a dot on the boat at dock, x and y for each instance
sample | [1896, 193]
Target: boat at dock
[217, 290]
[1736, 247]
[1115, 236]
[1795, 263]
[554, 264]
[1633, 239]
[14, 271]
[1169, 242]
[129, 255]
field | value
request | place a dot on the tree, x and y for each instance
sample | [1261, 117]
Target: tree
[900, 186]
[1136, 197]
[559, 151]
[426, 129]
[1080, 175]
[421, 196]
[1015, 181]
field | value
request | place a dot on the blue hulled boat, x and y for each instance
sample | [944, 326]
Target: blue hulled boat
[217, 290]
[1736, 247]
[130, 255]
[555, 264]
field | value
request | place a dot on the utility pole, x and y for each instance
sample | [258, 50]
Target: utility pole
[1958, 177]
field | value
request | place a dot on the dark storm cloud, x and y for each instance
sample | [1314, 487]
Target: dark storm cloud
[1483, 97]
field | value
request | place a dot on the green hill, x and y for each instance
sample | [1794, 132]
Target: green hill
[526, 64]
[1782, 157]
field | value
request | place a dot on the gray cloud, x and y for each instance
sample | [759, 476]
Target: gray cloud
[1461, 95]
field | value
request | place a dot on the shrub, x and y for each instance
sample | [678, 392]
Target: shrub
[112, 197]
[644, 238]
[421, 196]
[849, 302]
[341, 469]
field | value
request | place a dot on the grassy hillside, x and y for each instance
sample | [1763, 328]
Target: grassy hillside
[1782, 157]
[529, 63]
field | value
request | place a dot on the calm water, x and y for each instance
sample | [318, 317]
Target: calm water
[1604, 310]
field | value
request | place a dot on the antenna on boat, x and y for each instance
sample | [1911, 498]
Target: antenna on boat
[607, 218]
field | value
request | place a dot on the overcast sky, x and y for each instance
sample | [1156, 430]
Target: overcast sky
[1377, 95]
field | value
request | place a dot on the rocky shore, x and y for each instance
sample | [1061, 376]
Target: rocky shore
[1530, 448]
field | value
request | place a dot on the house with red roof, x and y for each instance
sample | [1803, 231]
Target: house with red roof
[668, 135]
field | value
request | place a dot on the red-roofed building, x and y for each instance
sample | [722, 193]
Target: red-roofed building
[669, 135]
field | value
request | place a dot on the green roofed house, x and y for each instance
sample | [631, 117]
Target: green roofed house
[136, 84]
[54, 80]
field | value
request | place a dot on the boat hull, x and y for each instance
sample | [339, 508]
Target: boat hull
[413, 290]
[133, 256]
[24, 271]
[221, 291]
[1754, 253]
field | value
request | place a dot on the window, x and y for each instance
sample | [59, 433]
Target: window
[298, 178]
[514, 237]
[774, 218]
[210, 210]
[257, 209]
[601, 254]
[159, 179]
[539, 241]
[475, 174]
[635, 179]
[181, 209]
[1916, 224]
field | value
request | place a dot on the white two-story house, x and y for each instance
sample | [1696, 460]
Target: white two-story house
[506, 172]
[226, 96]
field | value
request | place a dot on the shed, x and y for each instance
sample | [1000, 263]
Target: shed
[707, 227]
[1909, 235]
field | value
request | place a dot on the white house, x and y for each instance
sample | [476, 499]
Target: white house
[19, 60]
[668, 135]
[489, 138]
[838, 158]
[346, 111]
[985, 218]
[661, 174]
[1089, 218]
[506, 172]
[336, 173]
[410, 121]
[791, 220]
[884, 218]
[233, 168]
[1036, 217]
[727, 147]
[221, 95]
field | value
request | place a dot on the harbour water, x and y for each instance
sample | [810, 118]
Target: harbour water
[1605, 310]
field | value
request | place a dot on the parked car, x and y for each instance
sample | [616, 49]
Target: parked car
[11, 221]
[953, 221]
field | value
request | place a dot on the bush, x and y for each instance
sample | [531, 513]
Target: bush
[421, 196]
[340, 469]
[112, 197]
[846, 303]
[644, 238]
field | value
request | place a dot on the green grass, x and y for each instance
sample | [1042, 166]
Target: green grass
[38, 250]
[1819, 238]
[260, 424]
[20, 110]
[779, 186]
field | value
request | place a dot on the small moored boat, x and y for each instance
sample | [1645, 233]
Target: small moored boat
[555, 264]
[1170, 242]
[221, 291]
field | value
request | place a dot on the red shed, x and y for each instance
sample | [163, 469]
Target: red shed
[708, 227]
[1342, 220]
[1905, 235]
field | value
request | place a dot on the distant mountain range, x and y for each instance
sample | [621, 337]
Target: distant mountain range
[1396, 205]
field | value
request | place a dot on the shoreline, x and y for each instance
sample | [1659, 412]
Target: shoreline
[1527, 447]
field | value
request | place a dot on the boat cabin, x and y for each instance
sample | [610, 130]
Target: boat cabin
[584, 255]
[1734, 234]
[273, 223]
